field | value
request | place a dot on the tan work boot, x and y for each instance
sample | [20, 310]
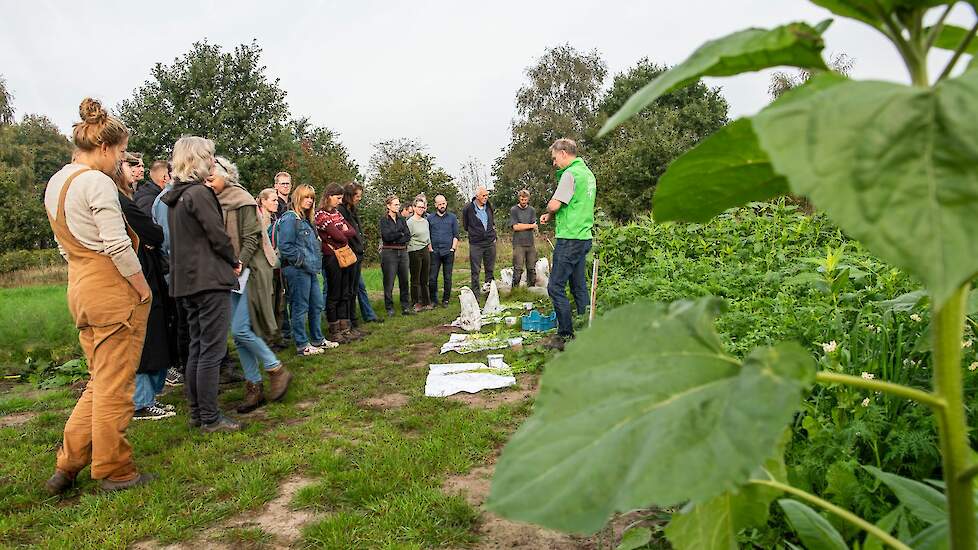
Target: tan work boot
[337, 334]
[347, 330]
[278, 382]
[254, 398]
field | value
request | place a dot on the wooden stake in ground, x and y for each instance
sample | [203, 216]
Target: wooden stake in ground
[594, 290]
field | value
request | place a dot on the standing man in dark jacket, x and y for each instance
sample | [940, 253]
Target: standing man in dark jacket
[444, 240]
[479, 222]
[283, 191]
[146, 192]
[204, 270]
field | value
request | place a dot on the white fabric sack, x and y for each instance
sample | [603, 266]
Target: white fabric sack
[471, 317]
[543, 272]
[505, 280]
[492, 302]
[445, 380]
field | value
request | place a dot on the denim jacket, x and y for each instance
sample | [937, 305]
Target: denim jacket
[298, 243]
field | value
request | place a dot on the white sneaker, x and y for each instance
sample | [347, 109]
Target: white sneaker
[309, 350]
[326, 344]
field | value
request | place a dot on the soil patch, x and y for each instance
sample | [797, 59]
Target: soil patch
[496, 533]
[16, 419]
[436, 330]
[275, 519]
[386, 402]
[491, 399]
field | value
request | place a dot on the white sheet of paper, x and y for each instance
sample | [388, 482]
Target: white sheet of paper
[243, 281]
[445, 380]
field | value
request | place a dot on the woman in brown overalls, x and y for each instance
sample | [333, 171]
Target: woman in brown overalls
[108, 298]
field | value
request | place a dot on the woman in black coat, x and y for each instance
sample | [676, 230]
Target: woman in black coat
[159, 341]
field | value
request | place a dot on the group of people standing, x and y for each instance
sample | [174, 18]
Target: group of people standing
[159, 273]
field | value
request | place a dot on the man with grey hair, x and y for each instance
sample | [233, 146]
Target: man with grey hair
[443, 226]
[572, 206]
[479, 222]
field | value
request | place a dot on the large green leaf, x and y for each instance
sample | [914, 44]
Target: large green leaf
[920, 499]
[634, 538]
[951, 37]
[713, 525]
[645, 408]
[935, 537]
[815, 532]
[895, 166]
[795, 44]
[726, 170]
[870, 11]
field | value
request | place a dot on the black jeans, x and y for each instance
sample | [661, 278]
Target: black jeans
[339, 299]
[208, 317]
[444, 261]
[281, 300]
[394, 263]
[482, 254]
[570, 257]
[420, 263]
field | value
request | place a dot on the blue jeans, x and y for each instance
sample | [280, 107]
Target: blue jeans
[148, 386]
[366, 310]
[569, 265]
[306, 302]
[251, 348]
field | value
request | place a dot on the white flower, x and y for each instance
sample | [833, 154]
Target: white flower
[973, 366]
[915, 318]
[830, 347]
[866, 402]
[868, 376]
[967, 343]
[871, 327]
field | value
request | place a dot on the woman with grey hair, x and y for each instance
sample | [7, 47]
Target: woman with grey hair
[204, 269]
[252, 310]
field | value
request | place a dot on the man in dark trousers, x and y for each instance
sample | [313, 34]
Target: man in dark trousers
[283, 190]
[572, 206]
[523, 221]
[479, 222]
[443, 226]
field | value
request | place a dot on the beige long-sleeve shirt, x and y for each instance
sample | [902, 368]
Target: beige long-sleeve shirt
[93, 215]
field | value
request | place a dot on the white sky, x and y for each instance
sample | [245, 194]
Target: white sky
[444, 73]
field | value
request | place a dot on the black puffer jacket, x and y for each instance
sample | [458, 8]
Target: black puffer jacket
[201, 255]
[479, 234]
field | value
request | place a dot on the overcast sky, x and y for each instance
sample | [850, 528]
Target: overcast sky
[442, 72]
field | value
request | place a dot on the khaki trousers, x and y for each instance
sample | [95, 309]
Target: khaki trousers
[96, 431]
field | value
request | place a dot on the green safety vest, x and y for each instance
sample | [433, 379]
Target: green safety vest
[575, 219]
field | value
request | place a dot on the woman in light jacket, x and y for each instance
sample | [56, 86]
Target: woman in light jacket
[302, 259]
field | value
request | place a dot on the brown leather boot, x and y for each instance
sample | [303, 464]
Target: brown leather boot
[357, 327]
[337, 334]
[278, 382]
[347, 330]
[254, 398]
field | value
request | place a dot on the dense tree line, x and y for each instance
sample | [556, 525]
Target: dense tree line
[565, 97]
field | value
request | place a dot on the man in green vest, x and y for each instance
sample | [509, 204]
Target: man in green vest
[572, 206]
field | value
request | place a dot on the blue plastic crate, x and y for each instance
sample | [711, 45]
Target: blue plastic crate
[535, 322]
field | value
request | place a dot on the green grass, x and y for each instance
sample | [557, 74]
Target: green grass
[34, 322]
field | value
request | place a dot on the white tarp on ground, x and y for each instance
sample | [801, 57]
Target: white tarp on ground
[445, 380]
[470, 343]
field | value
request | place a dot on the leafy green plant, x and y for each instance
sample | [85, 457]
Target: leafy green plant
[647, 409]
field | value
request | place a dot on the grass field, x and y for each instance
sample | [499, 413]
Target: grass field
[368, 454]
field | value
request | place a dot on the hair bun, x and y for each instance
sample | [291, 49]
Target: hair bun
[92, 112]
